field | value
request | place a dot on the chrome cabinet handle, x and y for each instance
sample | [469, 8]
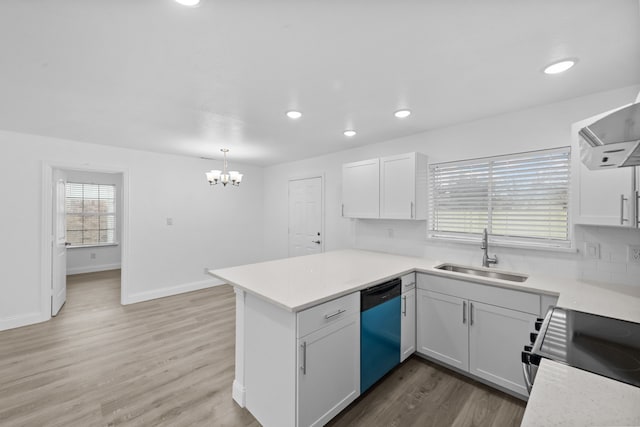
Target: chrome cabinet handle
[315, 241]
[464, 312]
[304, 358]
[637, 208]
[404, 308]
[411, 210]
[470, 313]
[527, 376]
[622, 200]
[343, 209]
[329, 316]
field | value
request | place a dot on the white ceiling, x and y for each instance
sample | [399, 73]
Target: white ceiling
[154, 75]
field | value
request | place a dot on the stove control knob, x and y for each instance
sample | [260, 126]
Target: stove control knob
[533, 336]
[538, 325]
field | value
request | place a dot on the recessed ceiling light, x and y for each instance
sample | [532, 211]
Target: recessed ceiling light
[560, 66]
[190, 3]
[401, 114]
[294, 114]
[349, 132]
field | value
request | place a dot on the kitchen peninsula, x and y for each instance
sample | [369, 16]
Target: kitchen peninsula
[283, 304]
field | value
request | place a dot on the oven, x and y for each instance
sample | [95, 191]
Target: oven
[598, 344]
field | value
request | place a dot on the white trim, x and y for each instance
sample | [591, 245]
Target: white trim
[46, 230]
[322, 207]
[92, 268]
[22, 320]
[95, 245]
[501, 244]
[172, 290]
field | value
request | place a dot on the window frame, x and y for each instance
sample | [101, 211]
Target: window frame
[549, 244]
[96, 215]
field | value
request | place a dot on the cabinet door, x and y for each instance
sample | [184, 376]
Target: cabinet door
[604, 197]
[496, 337]
[398, 186]
[408, 324]
[361, 189]
[442, 328]
[329, 371]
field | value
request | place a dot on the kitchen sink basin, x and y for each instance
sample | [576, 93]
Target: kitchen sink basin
[472, 271]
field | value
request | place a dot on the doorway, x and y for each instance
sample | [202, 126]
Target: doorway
[84, 228]
[306, 216]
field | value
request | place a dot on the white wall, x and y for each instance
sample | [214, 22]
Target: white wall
[97, 258]
[213, 226]
[536, 128]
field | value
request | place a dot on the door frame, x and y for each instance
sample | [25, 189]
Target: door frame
[322, 207]
[47, 228]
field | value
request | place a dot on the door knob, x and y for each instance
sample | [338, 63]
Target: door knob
[316, 241]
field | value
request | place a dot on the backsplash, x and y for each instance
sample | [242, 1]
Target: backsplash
[409, 238]
[612, 266]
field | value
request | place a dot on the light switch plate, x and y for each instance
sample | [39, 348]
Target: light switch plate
[592, 250]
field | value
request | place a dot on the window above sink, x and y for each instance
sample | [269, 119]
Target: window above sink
[522, 199]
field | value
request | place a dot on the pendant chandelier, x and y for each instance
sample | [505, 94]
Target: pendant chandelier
[216, 176]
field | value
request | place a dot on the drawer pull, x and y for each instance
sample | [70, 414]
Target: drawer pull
[337, 313]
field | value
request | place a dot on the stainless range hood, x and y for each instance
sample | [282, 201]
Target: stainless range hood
[613, 141]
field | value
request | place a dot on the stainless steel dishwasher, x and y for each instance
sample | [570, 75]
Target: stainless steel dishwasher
[380, 331]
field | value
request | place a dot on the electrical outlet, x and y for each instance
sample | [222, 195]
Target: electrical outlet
[206, 270]
[390, 233]
[92, 255]
[169, 221]
[592, 250]
[633, 254]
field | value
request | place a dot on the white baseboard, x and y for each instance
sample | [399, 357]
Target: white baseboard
[92, 268]
[22, 320]
[171, 290]
[239, 393]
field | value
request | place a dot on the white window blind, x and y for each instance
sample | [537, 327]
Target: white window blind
[521, 198]
[91, 213]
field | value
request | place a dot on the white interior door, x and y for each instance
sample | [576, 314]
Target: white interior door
[305, 216]
[59, 243]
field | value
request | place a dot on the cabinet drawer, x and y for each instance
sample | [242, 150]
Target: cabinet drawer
[408, 282]
[501, 297]
[314, 318]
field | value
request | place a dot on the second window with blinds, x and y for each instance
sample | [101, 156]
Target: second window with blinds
[521, 199]
[91, 214]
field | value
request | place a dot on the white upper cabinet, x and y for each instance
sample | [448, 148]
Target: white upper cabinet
[392, 187]
[601, 197]
[403, 186]
[361, 189]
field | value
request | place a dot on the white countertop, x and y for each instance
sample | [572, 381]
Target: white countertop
[562, 395]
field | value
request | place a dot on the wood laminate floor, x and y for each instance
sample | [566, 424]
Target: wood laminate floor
[170, 362]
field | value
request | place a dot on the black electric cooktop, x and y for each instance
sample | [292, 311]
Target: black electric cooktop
[602, 345]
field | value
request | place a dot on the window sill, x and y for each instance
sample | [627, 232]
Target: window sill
[97, 245]
[514, 245]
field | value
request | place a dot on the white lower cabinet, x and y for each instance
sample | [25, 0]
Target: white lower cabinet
[442, 328]
[408, 324]
[496, 337]
[328, 376]
[476, 337]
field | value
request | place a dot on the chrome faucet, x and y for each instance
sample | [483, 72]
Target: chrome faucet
[486, 259]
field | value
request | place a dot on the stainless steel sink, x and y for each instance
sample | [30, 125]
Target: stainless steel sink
[513, 277]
